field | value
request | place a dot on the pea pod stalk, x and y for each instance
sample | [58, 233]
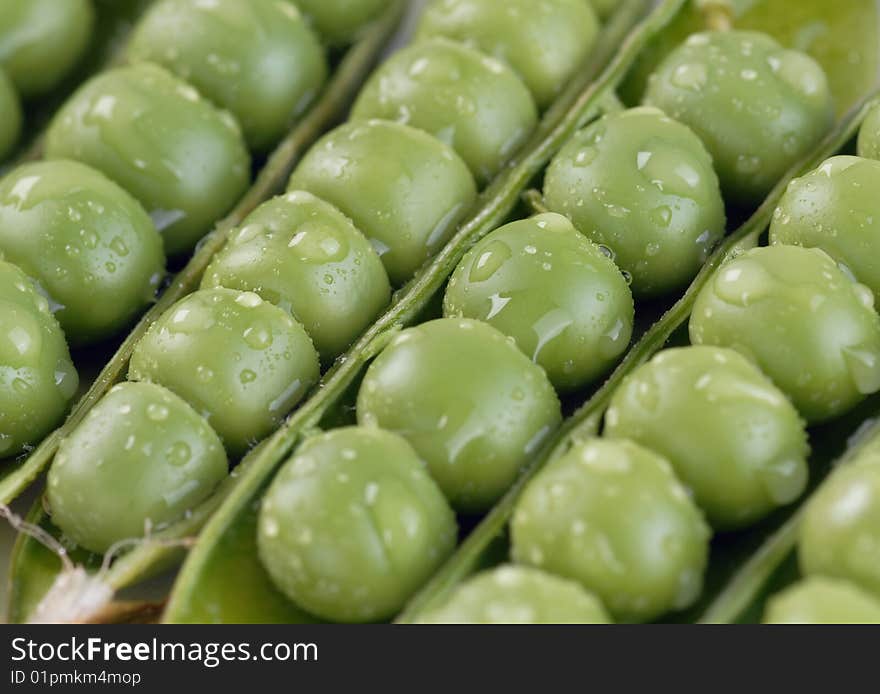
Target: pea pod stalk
[585, 423]
[329, 108]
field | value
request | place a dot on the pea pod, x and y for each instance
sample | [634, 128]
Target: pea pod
[586, 421]
[349, 74]
[560, 121]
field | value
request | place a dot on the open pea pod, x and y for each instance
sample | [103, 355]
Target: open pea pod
[16, 475]
[841, 36]
[569, 113]
[585, 423]
[234, 522]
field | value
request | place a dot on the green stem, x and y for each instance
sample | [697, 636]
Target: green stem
[560, 122]
[328, 110]
[534, 200]
[586, 422]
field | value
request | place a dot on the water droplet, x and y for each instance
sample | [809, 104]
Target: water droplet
[487, 262]
[690, 76]
[247, 376]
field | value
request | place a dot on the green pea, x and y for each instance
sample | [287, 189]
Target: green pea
[822, 601]
[353, 525]
[833, 208]
[470, 403]
[11, 116]
[405, 190]
[258, 59]
[340, 22]
[155, 136]
[804, 322]
[545, 42]
[519, 595]
[37, 377]
[554, 292]
[732, 437]
[757, 106]
[612, 516]
[642, 185]
[840, 530]
[243, 363]
[41, 41]
[139, 461]
[869, 135]
[472, 102]
[89, 244]
[304, 255]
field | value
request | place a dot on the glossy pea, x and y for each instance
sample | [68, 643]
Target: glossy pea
[471, 404]
[545, 42]
[840, 530]
[353, 525]
[553, 291]
[37, 377]
[833, 208]
[612, 516]
[41, 41]
[805, 323]
[822, 601]
[757, 106]
[89, 244]
[642, 185]
[141, 459]
[257, 59]
[518, 595]
[340, 22]
[304, 255]
[731, 436]
[474, 103]
[405, 190]
[156, 137]
[10, 115]
[240, 361]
